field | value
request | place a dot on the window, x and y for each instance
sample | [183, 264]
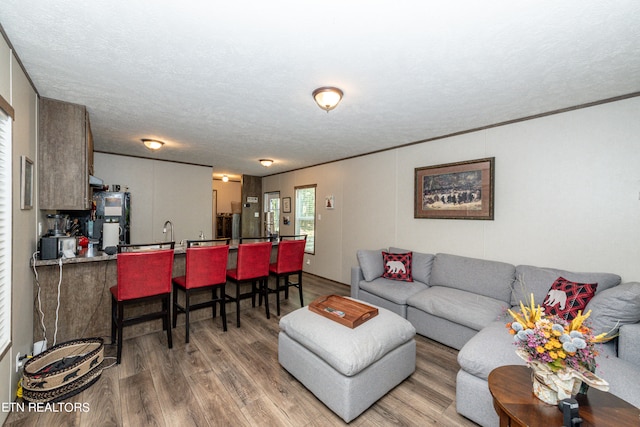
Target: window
[306, 215]
[5, 232]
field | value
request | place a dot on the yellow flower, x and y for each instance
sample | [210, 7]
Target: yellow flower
[577, 321]
[540, 349]
[561, 354]
[553, 355]
[548, 345]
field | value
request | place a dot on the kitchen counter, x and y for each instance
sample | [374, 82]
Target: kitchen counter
[83, 284]
[95, 255]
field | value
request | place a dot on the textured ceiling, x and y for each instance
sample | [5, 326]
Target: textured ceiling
[226, 83]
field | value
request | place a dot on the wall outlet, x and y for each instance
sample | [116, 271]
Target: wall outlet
[18, 363]
[39, 347]
[308, 261]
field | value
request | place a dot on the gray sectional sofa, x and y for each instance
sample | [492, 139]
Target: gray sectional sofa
[462, 302]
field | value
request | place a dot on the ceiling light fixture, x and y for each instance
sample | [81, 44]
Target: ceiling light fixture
[327, 97]
[152, 144]
[225, 178]
[266, 162]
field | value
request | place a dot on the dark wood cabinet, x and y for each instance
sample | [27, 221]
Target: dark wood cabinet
[65, 156]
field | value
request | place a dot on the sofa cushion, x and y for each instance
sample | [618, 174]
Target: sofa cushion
[465, 308]
[615, 307]
[489, 278]
[371, 263]
[420, 264]
[393, 290]
[348, 350]
[397, 266]
[488, 349]
[566, 298]
[537, 280]
[493, 347]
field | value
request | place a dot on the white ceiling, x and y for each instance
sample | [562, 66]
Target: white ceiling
[226, 83]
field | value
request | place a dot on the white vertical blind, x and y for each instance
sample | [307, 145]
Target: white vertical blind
[5, 232]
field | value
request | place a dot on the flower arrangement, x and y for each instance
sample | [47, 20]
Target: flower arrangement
[561, 353]
[552, 340]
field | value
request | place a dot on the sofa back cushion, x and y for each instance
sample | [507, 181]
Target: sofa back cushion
[489, 278]
[538, 280]
[420, 264]
[615, 307]
[371, 263]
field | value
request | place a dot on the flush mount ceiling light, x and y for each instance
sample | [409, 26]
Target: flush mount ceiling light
[225, 178]
[327, 97]
[266, 162]
[152, 144]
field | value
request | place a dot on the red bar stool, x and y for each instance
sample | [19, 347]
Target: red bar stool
[206, 268]
[288, 263]
[144, 274]
[252, 266]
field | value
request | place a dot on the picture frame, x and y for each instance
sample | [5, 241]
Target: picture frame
[330, 202]
[26, 183]
[286, 205]
[462, 190]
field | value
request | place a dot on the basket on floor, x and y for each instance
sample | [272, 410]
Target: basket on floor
[63, 371]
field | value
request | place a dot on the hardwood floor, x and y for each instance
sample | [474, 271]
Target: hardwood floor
[234, 379]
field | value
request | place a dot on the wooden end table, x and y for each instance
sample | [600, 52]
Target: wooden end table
[512, 390]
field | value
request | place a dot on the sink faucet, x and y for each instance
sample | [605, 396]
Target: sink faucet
[164, 229]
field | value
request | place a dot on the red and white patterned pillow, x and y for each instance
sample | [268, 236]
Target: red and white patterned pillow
[397, 266]
[566, 298]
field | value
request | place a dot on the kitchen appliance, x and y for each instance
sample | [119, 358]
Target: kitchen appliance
[67, 246]
[58, 224]
[111, 207]
[110, 234]
[48, 247]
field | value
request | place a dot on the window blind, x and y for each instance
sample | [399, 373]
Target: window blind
[5, 232]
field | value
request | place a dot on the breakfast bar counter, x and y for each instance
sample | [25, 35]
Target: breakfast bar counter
[81, 285]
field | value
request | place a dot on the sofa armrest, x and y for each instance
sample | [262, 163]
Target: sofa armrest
[356, 277]
[629, 343]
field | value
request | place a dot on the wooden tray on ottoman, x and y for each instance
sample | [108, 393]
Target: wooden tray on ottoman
[343, 310]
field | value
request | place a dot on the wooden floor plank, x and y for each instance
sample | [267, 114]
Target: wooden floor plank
[106, 394]
[234, 378]
[139, 401]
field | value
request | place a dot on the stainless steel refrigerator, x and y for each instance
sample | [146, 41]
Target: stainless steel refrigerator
[111, 206]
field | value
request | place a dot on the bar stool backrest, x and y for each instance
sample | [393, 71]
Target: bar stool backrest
[206, 265]
[253, 260]
[142, 274]
[290, 256]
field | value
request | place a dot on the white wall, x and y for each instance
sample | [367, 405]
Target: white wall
[16, 89]
[161, 191]
[566, 195]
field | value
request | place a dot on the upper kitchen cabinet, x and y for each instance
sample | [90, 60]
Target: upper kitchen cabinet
[65, 156]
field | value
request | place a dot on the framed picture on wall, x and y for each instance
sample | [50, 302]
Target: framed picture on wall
[462, 190]
[330, 202]
[286, 205]
[26, 183]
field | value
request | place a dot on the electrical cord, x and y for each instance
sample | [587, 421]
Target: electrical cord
[55, 333]
[35, 272]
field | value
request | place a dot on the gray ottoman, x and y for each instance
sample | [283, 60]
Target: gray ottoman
[347, 369]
